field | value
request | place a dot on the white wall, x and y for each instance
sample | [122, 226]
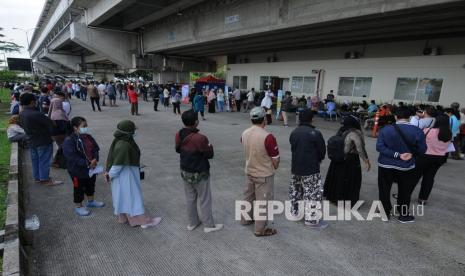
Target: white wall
[384, 72]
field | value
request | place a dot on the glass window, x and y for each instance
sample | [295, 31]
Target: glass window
[406, 89]
[243, 83]
[309, 85]
[240, 81]
[236, 81]
[346, 86]
[354, 86]
[429, 90]
[264, 82]
[418, 90]
[362, 87]
[297, 84]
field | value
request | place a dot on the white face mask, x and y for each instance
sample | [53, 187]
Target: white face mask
[83, 130]
[134, 135]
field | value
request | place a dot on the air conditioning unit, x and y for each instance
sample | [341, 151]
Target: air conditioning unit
[352, 55]
[435, 51]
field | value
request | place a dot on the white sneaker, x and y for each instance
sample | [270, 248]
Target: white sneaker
[153, 223]
[192, 227]
[213, 229]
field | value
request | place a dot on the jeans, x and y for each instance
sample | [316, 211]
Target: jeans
[41, 160]
[220, 106]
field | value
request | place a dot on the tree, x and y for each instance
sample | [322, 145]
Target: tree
[8, 46]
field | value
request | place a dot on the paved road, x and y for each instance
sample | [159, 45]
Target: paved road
[69, 245]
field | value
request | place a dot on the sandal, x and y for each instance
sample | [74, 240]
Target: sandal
[265, 233]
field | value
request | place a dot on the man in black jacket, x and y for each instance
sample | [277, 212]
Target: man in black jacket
[308, 150]
[195, 150]
[38, 127]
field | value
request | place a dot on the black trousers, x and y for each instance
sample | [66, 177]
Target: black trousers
[427, 166]
[155, 104]
[406, 181]
[95, 100]
[238, 105]
[135, 108]
[177, 107]
[83, 186]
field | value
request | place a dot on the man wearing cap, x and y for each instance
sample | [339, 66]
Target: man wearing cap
[261, 161]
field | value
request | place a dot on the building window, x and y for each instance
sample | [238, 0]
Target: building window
[303, 85]
[265, 82]
[418, 89]
[354, 86]
[240, 81]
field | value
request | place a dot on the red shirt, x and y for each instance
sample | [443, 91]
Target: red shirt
[133, 97]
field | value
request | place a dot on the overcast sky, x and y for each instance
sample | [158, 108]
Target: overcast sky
[22, 14]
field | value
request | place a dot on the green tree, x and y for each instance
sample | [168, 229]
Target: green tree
[8, 46]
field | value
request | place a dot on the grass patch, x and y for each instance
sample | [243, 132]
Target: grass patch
[4, 152]
[4, 156]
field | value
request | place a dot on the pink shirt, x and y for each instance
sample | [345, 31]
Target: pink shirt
[435, 146]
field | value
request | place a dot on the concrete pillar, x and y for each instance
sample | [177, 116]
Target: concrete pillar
[118, 47]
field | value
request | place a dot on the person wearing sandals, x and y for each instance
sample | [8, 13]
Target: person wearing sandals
[195, 150]
[308, 150]
[38, 127]
[261, 161]
[123, 173]
[82, 155]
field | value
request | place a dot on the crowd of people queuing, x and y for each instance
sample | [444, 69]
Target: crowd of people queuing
[413, 144]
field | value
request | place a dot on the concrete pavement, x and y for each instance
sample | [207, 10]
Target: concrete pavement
[69, 245]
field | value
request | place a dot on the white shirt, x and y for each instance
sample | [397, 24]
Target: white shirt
[267, 102]
[250, 96]
[101, 88]
[67, 108]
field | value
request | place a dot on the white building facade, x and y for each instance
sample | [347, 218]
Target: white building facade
[430, 72]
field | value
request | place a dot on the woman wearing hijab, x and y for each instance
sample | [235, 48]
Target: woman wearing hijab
[343, 180]
[123, 172]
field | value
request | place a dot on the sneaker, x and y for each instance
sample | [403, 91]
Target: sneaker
[192, 227]
[95, 204]
[213, 229]
[406, 219]
[317, 225]
[154, 222]
[81, 211]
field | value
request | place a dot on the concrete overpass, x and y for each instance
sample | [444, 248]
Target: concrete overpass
[174, 37]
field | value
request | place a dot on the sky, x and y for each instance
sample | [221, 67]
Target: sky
[22, 14]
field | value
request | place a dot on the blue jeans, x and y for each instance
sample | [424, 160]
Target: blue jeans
[220, 106]
[41, 159]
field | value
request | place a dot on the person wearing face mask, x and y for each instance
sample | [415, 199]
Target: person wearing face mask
[82, 155]
[123, 173]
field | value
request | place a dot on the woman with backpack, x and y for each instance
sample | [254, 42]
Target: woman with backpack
[344, 177]
[438, 139]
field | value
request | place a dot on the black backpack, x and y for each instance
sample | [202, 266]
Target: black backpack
[336, 148]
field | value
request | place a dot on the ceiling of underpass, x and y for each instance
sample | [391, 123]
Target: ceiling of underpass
[134, 12]
[438, 21]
